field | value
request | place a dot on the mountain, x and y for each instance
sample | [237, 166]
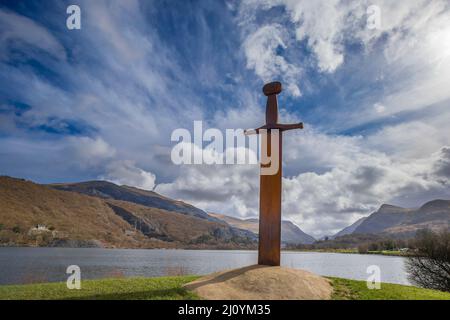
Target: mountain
[348, 230]
[34, 214]
[397, 221]
[245, 224]
[108, 190]
[290, 233]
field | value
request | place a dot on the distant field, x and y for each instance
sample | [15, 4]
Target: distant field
[170, 288]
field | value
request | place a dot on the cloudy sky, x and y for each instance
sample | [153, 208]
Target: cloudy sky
[102, 102]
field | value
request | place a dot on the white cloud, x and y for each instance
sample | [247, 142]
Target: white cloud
[379, 108]
[117, 83]
[342, 179]
[229, 189]
[86, 151]
[320, 23]
[410, 140]
[411, 49]
[15, 27]
[261, 51]
[126, 173]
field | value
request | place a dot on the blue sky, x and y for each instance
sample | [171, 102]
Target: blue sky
[101, 102]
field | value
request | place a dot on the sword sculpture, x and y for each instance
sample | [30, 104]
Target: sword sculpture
[270, 184]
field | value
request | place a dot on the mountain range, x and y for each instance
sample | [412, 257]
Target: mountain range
[290, 233]
[103, 214]
[394, 221]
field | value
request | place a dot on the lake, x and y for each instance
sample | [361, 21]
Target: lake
[30, 265]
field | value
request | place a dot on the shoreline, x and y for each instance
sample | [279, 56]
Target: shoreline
[394, 253]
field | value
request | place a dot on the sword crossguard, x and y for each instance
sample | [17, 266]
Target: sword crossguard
[280, 126]
[271, 90]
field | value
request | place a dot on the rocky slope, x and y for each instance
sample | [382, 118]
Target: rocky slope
[348, 230]
[108, 190]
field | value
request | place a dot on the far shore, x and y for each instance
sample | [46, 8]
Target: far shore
[397, 253]
[355, 251]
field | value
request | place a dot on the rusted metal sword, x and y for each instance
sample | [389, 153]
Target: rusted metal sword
[270, 184]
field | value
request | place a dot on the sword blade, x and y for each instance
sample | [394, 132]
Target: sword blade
[270, 210]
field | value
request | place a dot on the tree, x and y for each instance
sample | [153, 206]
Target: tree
[363, 248]
[388, 244]
[430, 267]
[373, 246]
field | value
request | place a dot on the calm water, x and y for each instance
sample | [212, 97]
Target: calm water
[27, 265]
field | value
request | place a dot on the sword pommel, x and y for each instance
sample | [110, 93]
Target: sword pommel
[272, 88]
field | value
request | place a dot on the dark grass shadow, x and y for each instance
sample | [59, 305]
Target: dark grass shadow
[222, 277]
[165, 294]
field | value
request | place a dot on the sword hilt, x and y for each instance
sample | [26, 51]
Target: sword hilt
[271, 90]
[279, 126]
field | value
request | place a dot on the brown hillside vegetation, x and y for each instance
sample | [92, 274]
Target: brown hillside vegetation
[71, 216]
[172, 226]
[73, 219]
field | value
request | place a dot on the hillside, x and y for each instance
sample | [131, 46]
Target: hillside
[69, 218]
[290, 233]
[397, 222]
[392, 220]
[387, 228]
[348, 230]
[246, 224]
[108, 190]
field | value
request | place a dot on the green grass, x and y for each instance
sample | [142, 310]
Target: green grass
[170, 288]
[345, 289]
[166, 288]
[355, 251]
[327, 250]
[391, 253]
